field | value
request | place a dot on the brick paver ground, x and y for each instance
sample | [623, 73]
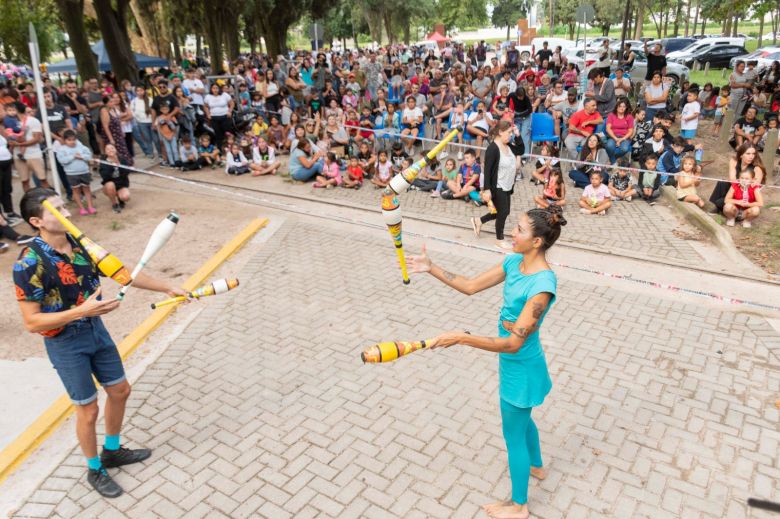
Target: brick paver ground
[633, 228]
[261, 408]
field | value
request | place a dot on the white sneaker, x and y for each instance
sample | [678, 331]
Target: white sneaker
[602, 213]
[584, 211]
[746, 224]
[444, 154]
[504, 245]
[460, 155]
[730, 222]
[628, 198]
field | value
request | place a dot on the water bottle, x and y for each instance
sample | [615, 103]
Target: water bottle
[698, 155]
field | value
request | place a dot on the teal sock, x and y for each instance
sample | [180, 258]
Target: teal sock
[94, 463]
[112, 442]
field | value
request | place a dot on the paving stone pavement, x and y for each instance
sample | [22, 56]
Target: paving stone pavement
[262, 408]
[629, 227]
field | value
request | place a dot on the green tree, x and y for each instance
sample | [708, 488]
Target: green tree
[462, 13]
[507, 12]
[566, 14]
[14, 22]
[608, 13]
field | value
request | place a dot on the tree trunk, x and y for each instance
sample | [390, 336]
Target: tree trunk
[774, 20]
[214, 40]
[666, 22]
[696, 17]
[387, 15]
[640, 16]
[687, 16]
[275, 34]
[571, 31]
[151, 32]
[407, 31]
[734, 26]
[72, 12]
[175, 41]
[677, 14]
[703, 24]
[113, 28]
[232, 42]
[657, 25]
[760, 29]
[198, 45]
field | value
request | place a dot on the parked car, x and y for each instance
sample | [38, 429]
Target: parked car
[764, 56]
[718, 56]
[671, 44]
[684, 55]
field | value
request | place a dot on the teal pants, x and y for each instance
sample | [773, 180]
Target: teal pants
[522, 445]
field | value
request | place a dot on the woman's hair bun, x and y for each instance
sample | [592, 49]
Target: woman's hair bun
[556, 215]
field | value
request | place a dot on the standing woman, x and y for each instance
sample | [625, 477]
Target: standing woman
[523, 109]
[110, 128]
[524, 381]
[499, 181]
[273, 98]
[126, 116]
[142, 125]
[218, 106]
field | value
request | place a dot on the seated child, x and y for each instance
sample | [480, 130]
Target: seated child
[649, 185]
[188, 154]
[236, 162]
[384, 171]
[621, 186]
[554, 192]
[449, 175]
[744, 199]
[355, 174]
[397, 157]
[259, 127]
[543, 167]
[264, 160]
[208, 154]
[429, 176]
[687, 181]
[331, 174]
[595, 197]
[367, 122]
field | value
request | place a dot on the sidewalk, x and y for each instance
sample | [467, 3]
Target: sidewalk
[262, 408]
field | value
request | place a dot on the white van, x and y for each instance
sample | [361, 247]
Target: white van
[702, 44]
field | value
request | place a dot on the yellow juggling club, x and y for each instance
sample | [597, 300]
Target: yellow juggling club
[391, 207]
[106, 262]
[219, 286]
[389, 351]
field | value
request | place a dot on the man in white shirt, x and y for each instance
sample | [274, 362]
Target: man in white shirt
[195, 87]
[556, 95]
[28, 157]
[622, 83]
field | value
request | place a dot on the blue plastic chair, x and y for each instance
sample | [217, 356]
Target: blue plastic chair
[543, 128]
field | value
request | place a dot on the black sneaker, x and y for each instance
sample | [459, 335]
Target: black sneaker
[121, 204]
[102, 482]
[116, 208]
[24, 239]
[123, 456]
[3, 247]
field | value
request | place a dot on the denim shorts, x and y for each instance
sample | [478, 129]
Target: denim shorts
[84, 348]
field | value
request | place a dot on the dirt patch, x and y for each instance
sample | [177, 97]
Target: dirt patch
[205, 225]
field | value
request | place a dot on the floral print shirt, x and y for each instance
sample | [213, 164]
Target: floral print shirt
[75, 278]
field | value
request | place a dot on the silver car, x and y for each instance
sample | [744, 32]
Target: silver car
[675, 71]
[764, 56]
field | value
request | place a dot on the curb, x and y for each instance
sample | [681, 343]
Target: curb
[720, 236]
[43, 426]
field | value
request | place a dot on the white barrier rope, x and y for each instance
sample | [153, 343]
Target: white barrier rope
[295, 209]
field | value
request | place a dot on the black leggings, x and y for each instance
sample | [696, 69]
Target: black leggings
[718, 196]
[6, 231]
[221, 125]
[502, 200]
[6, 187]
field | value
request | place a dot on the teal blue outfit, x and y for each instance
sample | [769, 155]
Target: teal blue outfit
[523, 377]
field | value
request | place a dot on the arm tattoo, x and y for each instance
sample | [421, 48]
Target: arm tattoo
[524, 332]
[538, 310]
[448, 275]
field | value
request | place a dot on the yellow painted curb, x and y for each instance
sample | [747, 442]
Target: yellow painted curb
[43, 426]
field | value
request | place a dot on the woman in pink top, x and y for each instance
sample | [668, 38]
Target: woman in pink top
[620, 129]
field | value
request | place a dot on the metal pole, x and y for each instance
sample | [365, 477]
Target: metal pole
[36, 66]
